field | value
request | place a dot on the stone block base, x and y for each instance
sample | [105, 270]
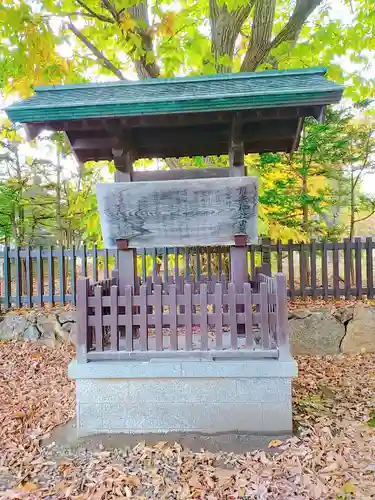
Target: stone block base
[184, 396]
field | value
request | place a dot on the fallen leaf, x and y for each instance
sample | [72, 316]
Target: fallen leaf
[160, 445]
[19, 414]
[27, 487]
[274, 443]
[348, 488]
[223, 475]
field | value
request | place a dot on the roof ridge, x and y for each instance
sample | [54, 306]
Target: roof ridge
[188, 98]
[184, 79]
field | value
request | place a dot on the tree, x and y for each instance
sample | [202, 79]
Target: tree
[73, 39]
[299, 191]
[359, 161]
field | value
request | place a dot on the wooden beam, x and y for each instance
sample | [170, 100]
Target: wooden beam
[33, 130]
[123, 160]
[236, 147]
[297, 136]
[172, 175]
[177, 120]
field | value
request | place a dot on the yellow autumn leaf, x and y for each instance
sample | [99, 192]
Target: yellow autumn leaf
[274, 443]
[19, 414]
[348, 488]
[127, 24]
[27, 487]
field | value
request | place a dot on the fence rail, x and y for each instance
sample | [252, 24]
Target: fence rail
[144, 322]
[38, 276]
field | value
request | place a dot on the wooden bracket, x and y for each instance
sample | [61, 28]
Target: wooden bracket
[240, 240]
[122, 244]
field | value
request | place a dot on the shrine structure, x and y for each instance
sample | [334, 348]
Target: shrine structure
[209, 356]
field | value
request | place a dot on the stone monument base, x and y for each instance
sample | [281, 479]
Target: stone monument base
[184, 396]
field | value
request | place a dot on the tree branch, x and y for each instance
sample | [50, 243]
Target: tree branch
[367, 216]
[289, 32]
[261, 32]
[144, 69]
[101, 57]
[225, 28]
[100, 17]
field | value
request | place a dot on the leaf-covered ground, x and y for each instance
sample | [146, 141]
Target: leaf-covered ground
[333, 456]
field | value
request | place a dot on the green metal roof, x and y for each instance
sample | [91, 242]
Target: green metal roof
[227, 92]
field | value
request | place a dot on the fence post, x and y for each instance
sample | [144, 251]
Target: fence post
[6, 278]
[239, 272]
[282, 328]
[266, 256]
[82, 319]
[369, 266]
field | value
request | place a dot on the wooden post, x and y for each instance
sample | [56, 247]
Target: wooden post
[282, 329]
[266, 256]
[238, 271]
[82, 319]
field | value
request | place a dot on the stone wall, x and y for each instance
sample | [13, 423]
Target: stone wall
[327, 330]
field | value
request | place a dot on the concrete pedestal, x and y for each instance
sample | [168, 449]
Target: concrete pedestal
[184, 396]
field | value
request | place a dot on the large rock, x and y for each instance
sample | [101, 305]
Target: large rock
[318, 332]
[360, 333]
[12, 327]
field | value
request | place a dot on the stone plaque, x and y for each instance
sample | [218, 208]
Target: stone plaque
[178, 213]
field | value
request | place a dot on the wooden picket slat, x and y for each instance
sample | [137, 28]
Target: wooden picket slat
[264, 325]
[358, 267]
[6, 279]
[154, 264]
[219, 261]
[209, 264]
[232, 314]
[248, 315]
[84, 261]
[94, 264]
[176, 270]
[128, 318]
[291, 269]
[197, 264]
[18, 272]
[219, 315]
[62, 275]
[325, 270]
[165, 264]
[98, 318]
[143, 261]
[29, 279]
[51, 276]
[158, 318]
[105, 264]
[313, 268]
[302, 269]
[82, 320]
[336, 270]
[143, 329]
[279, 256]
[187, 263]
[173, 314]
[347, 263]
[73, 265]
[114, 318]
[188, 317]
[203, 317]
[369, 268]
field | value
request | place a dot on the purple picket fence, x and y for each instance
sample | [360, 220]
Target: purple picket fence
[157, 319]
